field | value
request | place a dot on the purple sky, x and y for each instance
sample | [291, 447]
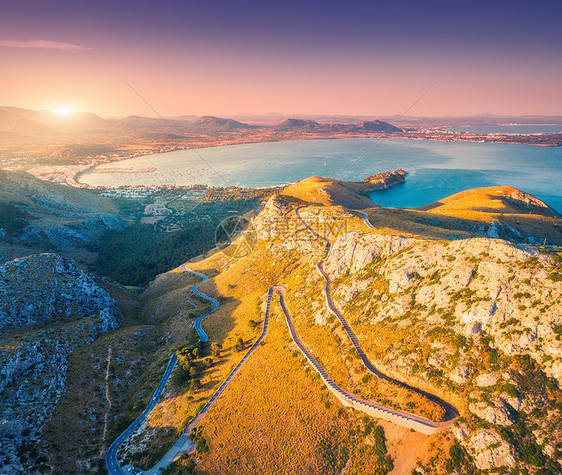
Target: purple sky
[229, 57]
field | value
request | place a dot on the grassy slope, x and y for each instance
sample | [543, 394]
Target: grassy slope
[236, 426]
[247, 430]
[288, 391]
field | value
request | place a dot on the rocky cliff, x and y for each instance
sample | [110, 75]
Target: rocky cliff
[45, 288]
[479, 317]
[48, 308]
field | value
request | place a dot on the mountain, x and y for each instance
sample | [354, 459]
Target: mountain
[378, 126]
[470, 320]
[218, 123]
[448, 315]
[498, 212]
[292, 123]
[493, 200]
[30, 122]
[41, 215]
[332, 192]
[49, 309]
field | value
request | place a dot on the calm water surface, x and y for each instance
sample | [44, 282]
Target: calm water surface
[435, 169]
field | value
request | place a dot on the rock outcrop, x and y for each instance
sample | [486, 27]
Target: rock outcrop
[59, 308]
[45, 288]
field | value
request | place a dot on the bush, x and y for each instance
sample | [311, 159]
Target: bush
[200, 442]
[380, 445]
[459, 459]
[369, 424]
[240, 345]
[216, 349]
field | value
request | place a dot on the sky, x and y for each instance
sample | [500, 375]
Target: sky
[431, 58]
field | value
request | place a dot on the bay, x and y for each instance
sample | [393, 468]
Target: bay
[435, 169]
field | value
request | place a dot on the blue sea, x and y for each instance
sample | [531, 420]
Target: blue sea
[435, 169]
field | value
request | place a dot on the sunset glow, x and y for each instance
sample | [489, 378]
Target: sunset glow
[228, 58]
[63, 111]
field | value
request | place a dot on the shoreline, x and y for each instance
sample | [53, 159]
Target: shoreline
[75, 179]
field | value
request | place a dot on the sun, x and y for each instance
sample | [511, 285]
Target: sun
[63, 111]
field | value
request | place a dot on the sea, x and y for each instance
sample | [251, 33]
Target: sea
[435, 169]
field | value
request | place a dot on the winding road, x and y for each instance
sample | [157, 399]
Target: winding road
[111, 456]
[184, 444]
[401, 418]
[202, 335]
[451, 412]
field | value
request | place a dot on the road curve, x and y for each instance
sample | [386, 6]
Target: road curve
[184, 444]
[365, 218]
[401, 418]
[451, 412]
[111, 455]
[202, 335]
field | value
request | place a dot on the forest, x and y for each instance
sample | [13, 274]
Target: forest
[137, 254]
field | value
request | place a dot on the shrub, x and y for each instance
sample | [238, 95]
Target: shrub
[458, 458]
[240, 345]
[378, 435]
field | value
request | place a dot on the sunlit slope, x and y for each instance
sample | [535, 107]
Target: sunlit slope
[42, 197]
[349, 194]
[496, 212]
[458, 318]
[326, 191]
[484, 203]
[426, 311]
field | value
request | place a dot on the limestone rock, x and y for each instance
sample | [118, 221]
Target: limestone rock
[496, 414]
[46, 288]
[486, 447]
[486, 379]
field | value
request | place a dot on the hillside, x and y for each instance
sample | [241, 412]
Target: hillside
[219, 123]
[35, 214]
[445, 312]
[288, 124]
[332, 192]
[31, 122]
[488, 203]
[378, 126]
[474, 321]
[48, 309]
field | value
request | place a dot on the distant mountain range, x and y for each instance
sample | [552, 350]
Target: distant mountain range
[25, 122]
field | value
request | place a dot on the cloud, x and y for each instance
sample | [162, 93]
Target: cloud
[43, 44]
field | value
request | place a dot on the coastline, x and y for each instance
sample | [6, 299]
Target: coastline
[75, 178]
